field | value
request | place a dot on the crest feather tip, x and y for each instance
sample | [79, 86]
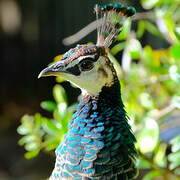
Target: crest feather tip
[111, 18]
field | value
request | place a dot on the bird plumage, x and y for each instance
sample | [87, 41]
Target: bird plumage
[99, 144]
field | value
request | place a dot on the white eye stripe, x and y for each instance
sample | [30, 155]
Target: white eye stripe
[84, 57]
[78, 60]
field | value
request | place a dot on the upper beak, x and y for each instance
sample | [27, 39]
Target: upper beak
[52, 70]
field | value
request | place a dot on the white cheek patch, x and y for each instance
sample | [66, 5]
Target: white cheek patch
[93, 81]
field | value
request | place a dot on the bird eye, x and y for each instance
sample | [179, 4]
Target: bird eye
[86, 64]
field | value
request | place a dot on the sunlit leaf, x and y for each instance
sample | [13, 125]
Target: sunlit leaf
[31, 154]
[175, 51]
[37, 122]
[146, 100]
[31, 146]
[49, 105]
[117, 48]
[175, 142]
[134, 48]
[174, 73]
[160, 156]
[151, 175]
[27, 139]
[174, 158]
[140, 29]
[148, 137]
[147, 55]
[23, 130]
[52, 143]
[50, 127]
[170, 25]
[59, 94]
[142, 163]
[62, 107]
[148, 4]
[176, 101]
[151, 28]
[125, 30]
[26, 126]
[158, 55]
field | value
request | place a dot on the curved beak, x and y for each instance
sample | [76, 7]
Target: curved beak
[53, 70]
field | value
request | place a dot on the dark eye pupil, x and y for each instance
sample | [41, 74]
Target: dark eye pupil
[86, 65]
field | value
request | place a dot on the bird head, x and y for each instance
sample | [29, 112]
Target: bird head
[88, 66]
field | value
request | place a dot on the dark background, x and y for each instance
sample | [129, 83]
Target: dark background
[31, 33]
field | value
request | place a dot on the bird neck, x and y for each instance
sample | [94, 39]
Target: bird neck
[109, 97]
[99, 137]
[107, 103]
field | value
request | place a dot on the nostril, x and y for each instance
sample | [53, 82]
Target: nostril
[56, 67]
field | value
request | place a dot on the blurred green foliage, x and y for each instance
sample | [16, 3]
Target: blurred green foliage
[40, 132]
[150, 81]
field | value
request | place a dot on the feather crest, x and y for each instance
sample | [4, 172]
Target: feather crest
[111, 18]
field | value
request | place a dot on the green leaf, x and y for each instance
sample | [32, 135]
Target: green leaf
[146, 100]
[151, 175]
[49, 105]
[147, 56]
[117, 48]
[64, 122]
[27, 139]
[140, 29]
[151, 28]
[31, 154]
[59, 94]
[174, 158]
[142, 163]
[160, 156]
[175, 142]
[134, 48]
[23, 130]
[176, 101]
[50, 127]
[26, 125]
[174, 73]
[175, 51]
[170, 26]
[31, 146]
[62, 109]
[52, 143]
[147, 138]
[125, 30]
[38, 121]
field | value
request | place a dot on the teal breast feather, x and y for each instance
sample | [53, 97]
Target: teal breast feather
[99, 144]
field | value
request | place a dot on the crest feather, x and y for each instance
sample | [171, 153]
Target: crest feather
[111, 18]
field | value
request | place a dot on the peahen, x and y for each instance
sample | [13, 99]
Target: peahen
[99, 144]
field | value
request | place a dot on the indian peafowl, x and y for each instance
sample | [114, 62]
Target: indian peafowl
[99, 144]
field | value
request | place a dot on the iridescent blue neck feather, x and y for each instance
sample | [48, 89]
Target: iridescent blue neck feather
[99, 144]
